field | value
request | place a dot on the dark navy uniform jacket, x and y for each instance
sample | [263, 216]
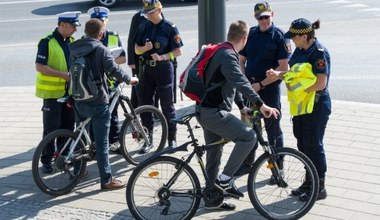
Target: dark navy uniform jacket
[164, 37]
[263, 50]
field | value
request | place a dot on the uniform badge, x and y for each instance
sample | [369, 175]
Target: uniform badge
[321, 64]
[177, 38]
[288, 47]
[157, 45]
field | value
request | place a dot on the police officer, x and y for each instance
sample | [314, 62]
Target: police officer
[111, 40]
[52, 65]
[309, 129]
[133, 58]
[159, 43]
[266, 49]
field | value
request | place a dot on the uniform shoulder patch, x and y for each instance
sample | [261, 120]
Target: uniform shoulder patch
[177, 38]
[288, 47]
[321, 64]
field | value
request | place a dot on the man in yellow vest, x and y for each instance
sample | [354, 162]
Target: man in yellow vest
[111, 40]
[52, 65]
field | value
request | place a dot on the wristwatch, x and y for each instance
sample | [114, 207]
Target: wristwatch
[261, 85]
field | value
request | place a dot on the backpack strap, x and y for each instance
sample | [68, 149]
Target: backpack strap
[211, 85]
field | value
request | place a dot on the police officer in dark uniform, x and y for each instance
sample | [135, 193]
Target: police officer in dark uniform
[159, 43]
[133, 59]
[52, 64]
[111, 40]
[309, 129]
[266, 49]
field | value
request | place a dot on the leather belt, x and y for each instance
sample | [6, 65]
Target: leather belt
[153, 63]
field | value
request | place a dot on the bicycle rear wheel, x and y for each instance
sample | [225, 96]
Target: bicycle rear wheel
[64, 174]
[156, 191]
[133, 130]
[274, 201]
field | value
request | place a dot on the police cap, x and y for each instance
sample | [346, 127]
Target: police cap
[71, 17]
[298, 27]
[262, 9]
[99, 12]
[150, 5]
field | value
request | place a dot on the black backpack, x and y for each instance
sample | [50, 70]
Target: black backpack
[85, 87]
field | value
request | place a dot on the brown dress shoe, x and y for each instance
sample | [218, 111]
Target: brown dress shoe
[114, 184]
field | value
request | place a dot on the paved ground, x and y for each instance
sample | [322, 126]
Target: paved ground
[352, 144]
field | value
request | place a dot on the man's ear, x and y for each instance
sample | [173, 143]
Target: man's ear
[100, 36]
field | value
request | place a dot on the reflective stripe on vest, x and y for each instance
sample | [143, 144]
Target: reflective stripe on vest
[112, 40]
[299, 78]
[50, 86]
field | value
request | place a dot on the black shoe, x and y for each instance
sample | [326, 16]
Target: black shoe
[229, 187]
[305, 187]
[306, 196]
[225, 206]
[243, 170]
[145, 149]
[47, 168]
[273, 181]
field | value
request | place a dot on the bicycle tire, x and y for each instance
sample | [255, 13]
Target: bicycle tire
[147, 183]
[273, 201]
[131, 139]
[64, 177]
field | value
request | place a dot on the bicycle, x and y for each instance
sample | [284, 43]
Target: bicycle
[165, 187]
[73, 149]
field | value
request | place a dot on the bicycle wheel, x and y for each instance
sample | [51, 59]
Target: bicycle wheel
[65, 172]
[274, 201]
[133, 130]
[156, 191]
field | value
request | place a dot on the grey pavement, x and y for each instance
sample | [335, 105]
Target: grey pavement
[352, 144]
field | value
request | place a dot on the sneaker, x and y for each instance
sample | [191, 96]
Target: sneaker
[225, 206]
[145, 149]
[114, 146]
[243, 170]
[47, 168]
[113, 184]
[272, 180]
[229, 187]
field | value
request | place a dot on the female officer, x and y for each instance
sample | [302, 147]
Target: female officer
[158, 42]
[309, 129]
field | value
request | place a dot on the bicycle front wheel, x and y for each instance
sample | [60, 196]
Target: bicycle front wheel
[165, 188]
[149, 122]
[53, 172]
[275, 201]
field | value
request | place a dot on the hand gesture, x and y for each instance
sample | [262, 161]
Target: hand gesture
[272, 74]
[268, 111]
[148, 45]
[134, 81]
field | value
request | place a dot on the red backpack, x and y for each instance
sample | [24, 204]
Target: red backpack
[191, 80]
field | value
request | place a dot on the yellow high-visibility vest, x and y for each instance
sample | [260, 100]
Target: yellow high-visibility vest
[300, 77]
[50, 86]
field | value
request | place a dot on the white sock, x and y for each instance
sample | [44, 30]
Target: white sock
[223, 177]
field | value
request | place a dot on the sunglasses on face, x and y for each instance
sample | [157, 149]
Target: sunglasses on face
[263, 17]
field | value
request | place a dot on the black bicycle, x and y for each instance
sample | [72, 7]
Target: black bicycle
[69, 151]
[165, 187]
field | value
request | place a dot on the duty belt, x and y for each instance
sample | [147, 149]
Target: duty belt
[153, 63]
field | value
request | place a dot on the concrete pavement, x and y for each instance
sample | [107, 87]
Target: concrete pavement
[352, 146]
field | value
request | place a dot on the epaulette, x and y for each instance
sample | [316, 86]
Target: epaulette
[170, 23]
[320, 48]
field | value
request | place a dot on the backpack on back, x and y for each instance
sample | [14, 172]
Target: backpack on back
[191, 81]
[83, 84]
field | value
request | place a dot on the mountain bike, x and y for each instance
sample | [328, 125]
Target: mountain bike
[69, 151]
[165, 187]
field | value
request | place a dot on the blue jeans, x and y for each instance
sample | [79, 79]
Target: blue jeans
[101, 126]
